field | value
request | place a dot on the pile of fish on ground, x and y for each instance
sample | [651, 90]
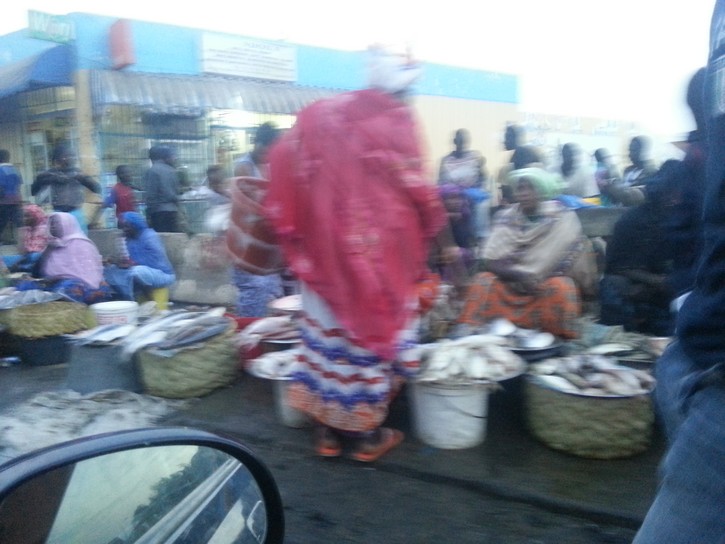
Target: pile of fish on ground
[167, 333]
[56, 416]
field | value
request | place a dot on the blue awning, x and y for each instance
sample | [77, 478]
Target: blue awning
[51, 68]
[194, 95]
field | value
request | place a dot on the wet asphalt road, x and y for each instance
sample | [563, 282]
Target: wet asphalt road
[511, 489]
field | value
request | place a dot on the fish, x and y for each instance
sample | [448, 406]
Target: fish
[161, 324]
[558, 383]
[90, 335]
[594, 375]
[108, 334]
[610, 349]
[501, 327]
[538, 340]
[151, 339]
[196, 335]
[268, 325]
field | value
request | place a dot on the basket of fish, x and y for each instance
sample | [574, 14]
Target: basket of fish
[184, 354]
[589, 406]
[450, 393]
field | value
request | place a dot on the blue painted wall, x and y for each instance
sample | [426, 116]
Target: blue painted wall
[169, 49]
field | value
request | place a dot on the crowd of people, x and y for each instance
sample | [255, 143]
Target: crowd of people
[357, 222]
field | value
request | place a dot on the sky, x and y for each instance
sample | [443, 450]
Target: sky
[617, 59]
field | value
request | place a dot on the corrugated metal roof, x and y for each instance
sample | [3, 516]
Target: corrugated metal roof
[193, 95]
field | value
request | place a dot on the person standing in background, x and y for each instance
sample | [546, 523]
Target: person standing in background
[218, 191]
[254, 163]
[642, 167]
[606, 175]
[10, 198]
[122, 195]
[161, 183]
[577, 173]
[513, 140]
[256, 291]
[65, 184]
[465, 168]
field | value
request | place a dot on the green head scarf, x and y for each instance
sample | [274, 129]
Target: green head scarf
[548, 185]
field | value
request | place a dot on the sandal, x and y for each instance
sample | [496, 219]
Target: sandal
[388, 439]
[326, 443]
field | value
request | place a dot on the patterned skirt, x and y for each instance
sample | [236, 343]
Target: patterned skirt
[340, 384]
[72, 289]
[555, 308]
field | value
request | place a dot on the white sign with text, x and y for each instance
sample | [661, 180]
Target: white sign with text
[236, 56]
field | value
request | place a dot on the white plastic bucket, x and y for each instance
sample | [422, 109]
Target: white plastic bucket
[291, 417]
[450, 417]
[116, 312]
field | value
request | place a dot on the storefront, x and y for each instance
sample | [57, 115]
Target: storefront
[207, 120]
[115, 87]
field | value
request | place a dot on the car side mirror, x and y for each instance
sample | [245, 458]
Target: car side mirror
[143, 486]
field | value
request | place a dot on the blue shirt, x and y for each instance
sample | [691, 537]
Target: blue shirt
[10, 182]
[148, 250]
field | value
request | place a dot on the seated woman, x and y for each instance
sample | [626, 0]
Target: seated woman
[538, 262]
[33, 240]
[71, 264]
[146, 266]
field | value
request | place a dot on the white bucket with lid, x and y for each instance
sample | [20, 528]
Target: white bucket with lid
[450, 416]
[121, 312]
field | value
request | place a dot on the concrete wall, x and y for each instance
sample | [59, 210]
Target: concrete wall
[203, 275]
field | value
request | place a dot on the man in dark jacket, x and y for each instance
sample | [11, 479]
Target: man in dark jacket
[65, 185]
[161, 183]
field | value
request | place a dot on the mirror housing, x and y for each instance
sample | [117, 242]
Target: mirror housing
[264, 519]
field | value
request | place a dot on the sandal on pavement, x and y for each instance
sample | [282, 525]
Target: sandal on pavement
[388, 439]
[326, 443]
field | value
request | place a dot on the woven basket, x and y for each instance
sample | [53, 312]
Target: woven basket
[191, 372]
[586, 426]
[46, 319]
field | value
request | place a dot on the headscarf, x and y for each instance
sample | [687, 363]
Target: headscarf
[546, 184]
[73, 254]
[134, 220]
[390, 72]
[35, 238]
[146, 248]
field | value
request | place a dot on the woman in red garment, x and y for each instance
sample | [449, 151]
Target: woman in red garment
[354, 215]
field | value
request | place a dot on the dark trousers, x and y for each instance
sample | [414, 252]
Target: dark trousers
[9, 215]
[164, 221]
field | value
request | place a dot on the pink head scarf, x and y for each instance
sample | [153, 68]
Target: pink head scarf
[71, 254]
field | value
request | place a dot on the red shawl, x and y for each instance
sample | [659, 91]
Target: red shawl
[353, 211]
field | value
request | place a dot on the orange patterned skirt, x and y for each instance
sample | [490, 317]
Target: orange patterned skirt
[554, 308]
[337, 382]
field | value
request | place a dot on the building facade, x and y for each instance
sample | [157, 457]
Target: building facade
[115, 87]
